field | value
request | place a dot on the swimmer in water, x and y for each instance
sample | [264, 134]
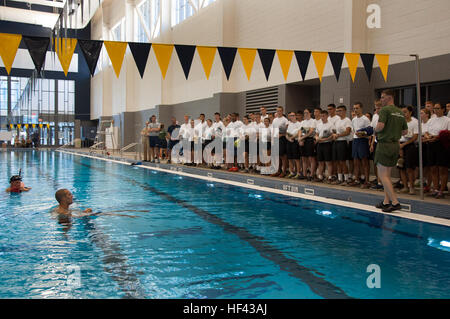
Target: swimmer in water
[65, 199]
[16, 185]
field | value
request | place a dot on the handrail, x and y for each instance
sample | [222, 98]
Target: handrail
[61, 147]
[95, 145]
[128, 147]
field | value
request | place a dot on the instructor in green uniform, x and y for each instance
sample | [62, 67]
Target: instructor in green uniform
[391, 126]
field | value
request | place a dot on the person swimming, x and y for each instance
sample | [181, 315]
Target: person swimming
[16, 185]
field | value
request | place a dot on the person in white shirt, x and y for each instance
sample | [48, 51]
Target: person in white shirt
[307, 145]
[425, 119]
[333, 118]
[153, 129]
[438, 154]
[318, 115]
[373, 143]
[340, 146]
[448, 109]
[207, 138]
[324, 138]
[430, 105]
[360, 148]
[263, 113]
[279, 125]
[247, 135]
[292, 147]
[265, 141]
[409, 152]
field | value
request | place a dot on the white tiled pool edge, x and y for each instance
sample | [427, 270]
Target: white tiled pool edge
[401, 214]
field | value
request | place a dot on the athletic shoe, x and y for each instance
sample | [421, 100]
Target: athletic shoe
[439, 195]
[318, 180]
[291, 175]
[404, 190]
[282, 175]
[337, 182]
[392, 208]
[298, 176]
[381, 205]
[301, 176]
[365, 186]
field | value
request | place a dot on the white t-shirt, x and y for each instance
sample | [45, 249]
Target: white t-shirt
[333, 119]
[184, 130]
[433, 116]
[248, 130]
[280, 123]
[438, 124]
[294, 128]
[264, 117]
[218, 128]
[208, 132]
[359, 123]
[425, 127]
[265, 134]
[306, 125]
[375, 121]
[341, 127]
[325, 130]
[413, 128]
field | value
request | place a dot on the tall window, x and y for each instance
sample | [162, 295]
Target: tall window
[148, 22]
[183, 9]
[118, 31]
[3, 96]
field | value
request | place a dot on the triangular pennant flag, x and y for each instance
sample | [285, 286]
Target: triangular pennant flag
[140, 52]
[383, 62]
[9, 43]
[247, 58]
[26, 126]
[19, 126]
[227, 56]
[11, 126]
[91, 51]
[33, 125]
[303, 61]
[336, 59]
[185, 55]
[320, 59]
[207, 55]
[163, 53]
[116, 52]
[367, 60]
[37, 47]
[40, 125]
[285, 58]
[64, 49]
[352, 61]
[48, 126]
[266, 56]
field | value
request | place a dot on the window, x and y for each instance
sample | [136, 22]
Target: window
[183, 9]
[3, 96]
[148, 22]
[118, 31]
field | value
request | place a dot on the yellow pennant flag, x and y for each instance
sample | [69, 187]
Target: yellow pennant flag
[64, 49]
[383, 62]
[33, 125]
[19, 126]
[40, 125]
[116, 52]
[320, 58]
[11, 126]
[248, 59]
[285, 58]
[9, 43]
[26, 126]
[207, 55]
[48, 126]
[352, 61]
[163, 53]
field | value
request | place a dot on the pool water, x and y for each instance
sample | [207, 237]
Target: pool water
[198, 239]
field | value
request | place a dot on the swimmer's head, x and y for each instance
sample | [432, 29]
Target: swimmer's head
[64, 196]
[15, 181]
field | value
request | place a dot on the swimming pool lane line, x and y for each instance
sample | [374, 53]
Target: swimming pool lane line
[399, 214]
[318, 285]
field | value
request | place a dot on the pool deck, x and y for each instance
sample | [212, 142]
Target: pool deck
[427, 210]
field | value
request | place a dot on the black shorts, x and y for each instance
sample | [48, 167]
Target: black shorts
[340, 150]
[162, 143]
[360, 148]
[172, 143]
[410, 156]
[438, 155]
[349, 151]
[324, 151]
[308, 149]
[293, 150]
[282, 146]
[154, 140]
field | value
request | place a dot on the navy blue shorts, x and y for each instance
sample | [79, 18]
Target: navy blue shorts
[360, 148]
[154, 141]
[172, 144]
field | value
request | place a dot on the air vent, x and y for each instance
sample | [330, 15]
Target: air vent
[267, 97]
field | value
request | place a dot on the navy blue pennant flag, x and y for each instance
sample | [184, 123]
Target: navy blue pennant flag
[336, 59]
[185, 55]
[140, 52]
[37, 47]
[266, 56]
[91, 52]
[303, 61]
[367, 60]
[227, 56]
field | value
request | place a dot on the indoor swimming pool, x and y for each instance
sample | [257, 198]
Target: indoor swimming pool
[191, 238]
